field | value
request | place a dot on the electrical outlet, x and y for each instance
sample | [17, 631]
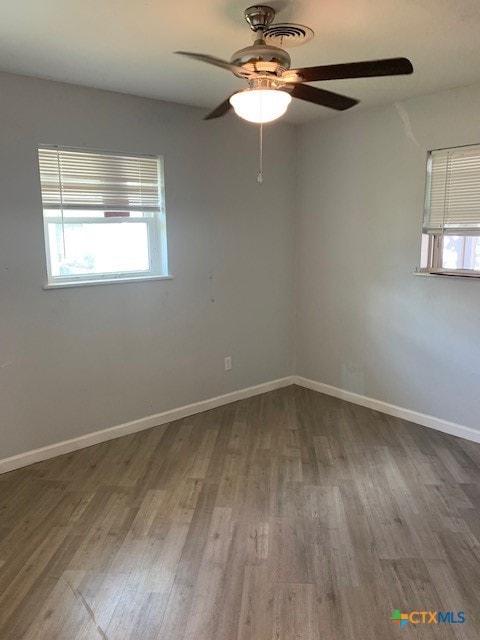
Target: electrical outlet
[228, 363]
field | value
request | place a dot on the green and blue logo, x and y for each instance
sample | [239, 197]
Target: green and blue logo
[400, 618]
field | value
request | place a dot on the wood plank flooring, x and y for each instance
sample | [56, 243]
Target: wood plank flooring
[288, 516]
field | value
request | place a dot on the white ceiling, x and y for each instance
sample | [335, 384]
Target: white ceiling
[127, 45]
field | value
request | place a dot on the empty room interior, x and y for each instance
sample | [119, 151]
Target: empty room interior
[239, 320]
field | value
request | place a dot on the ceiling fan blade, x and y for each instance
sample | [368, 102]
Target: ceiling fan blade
[367, 69]
[321, 97]
[221, 110]
[217, 62]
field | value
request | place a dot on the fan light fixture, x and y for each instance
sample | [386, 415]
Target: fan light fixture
[260, 105]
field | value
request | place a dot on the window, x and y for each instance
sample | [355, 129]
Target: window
[451, 226]
[104, 216]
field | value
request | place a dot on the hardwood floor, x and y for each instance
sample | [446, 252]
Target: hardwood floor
[288, 516]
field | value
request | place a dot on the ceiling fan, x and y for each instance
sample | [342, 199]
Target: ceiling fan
[272, 83]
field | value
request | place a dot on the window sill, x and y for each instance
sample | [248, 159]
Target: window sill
[90, 283]
[447, 275]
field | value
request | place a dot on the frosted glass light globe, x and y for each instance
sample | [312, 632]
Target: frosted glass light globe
[260, 105]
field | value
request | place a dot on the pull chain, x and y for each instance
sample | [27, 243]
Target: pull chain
[260, 169]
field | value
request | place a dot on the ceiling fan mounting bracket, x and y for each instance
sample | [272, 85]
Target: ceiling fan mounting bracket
[259, 17]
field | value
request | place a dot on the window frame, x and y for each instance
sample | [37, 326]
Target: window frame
[432, 249]
[155, 222]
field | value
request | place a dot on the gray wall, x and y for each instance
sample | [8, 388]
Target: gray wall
[365, 322]
[77, 360]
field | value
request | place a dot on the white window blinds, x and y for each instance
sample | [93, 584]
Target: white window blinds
[452, 204]
[85, 180]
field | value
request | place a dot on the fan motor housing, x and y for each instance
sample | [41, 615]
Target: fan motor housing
[262, 53]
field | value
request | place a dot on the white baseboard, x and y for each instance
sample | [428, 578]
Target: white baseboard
[425, 420]
[67, 446]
